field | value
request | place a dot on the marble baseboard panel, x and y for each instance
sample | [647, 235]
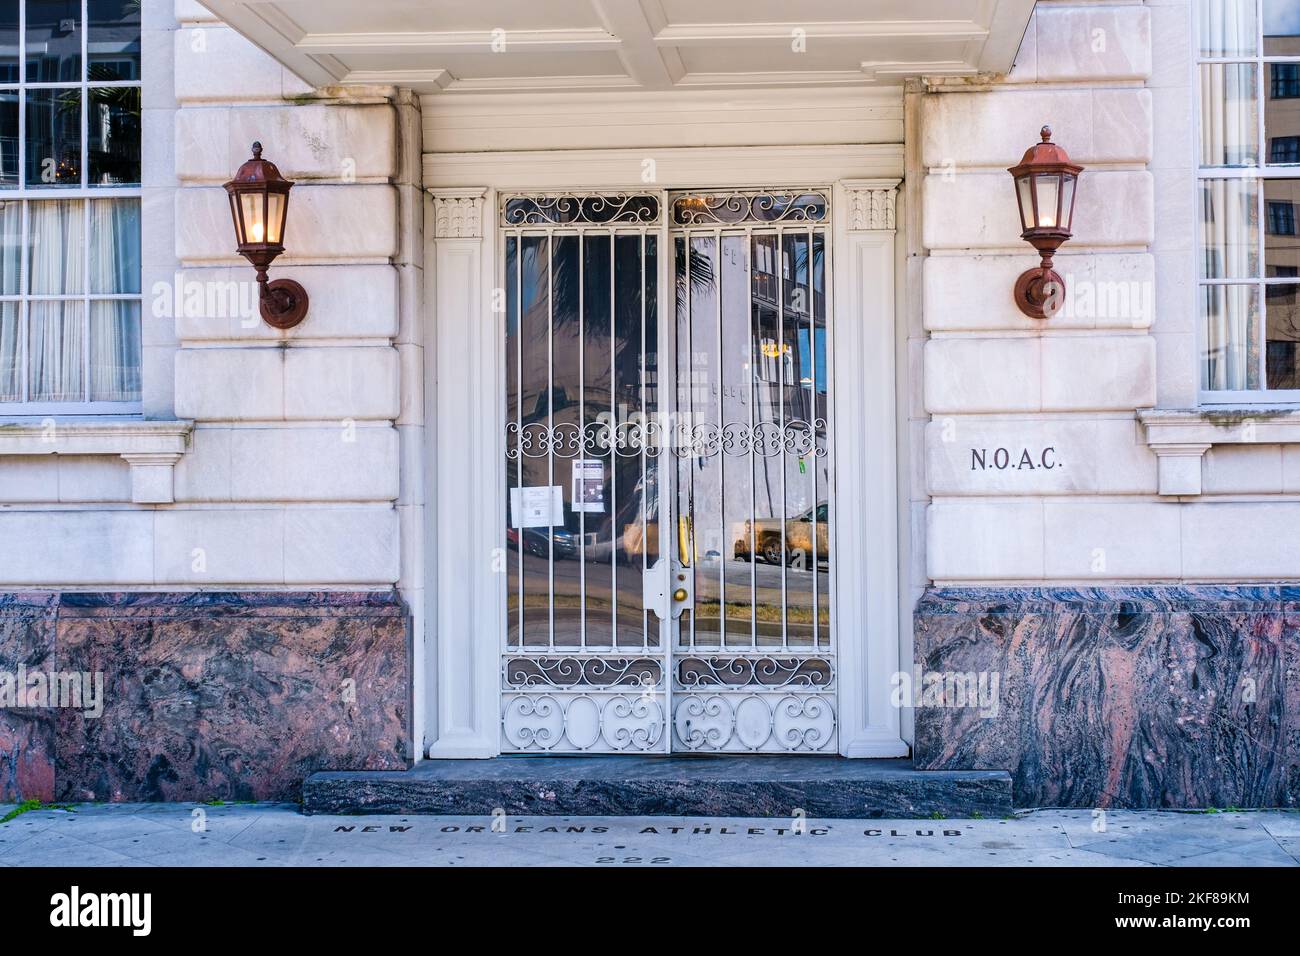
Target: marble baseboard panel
[1116, 697]
[205, 695]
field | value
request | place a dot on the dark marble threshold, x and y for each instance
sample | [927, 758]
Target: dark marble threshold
[680, 785]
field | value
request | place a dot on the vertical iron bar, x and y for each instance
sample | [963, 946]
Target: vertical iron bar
[722, 452]
[582, 443]
[690, 418]
[645, 613]
[613, 449]
[780, 397]
[750, 239]
[550, 428]
[519, 421]
[812, 427]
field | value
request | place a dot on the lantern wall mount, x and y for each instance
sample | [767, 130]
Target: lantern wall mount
[1045, 191]
[259, 206]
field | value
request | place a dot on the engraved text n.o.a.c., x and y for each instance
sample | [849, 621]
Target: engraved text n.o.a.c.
[1007, 459]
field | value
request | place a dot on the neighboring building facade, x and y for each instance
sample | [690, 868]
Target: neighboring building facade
[662, 390]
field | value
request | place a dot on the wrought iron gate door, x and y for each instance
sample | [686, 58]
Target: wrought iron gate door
[668, 474]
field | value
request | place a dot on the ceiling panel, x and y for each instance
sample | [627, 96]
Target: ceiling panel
[464, 46]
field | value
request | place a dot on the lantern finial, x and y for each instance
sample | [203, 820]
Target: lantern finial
[257, 148]
[1045, 132]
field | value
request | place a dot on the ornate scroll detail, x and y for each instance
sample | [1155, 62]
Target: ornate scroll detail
[733, 208]
[871, 204]
[457, 214]
[567, 723]
[575, 670]
[568, 210]
[761, 671]
[634, 437]
[740, 723]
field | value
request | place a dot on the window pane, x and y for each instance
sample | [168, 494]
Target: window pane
[1228, 115]
[1226, 27]
[9, 43]
[113, 45]
[53, 138]
[11, 247]
[1281, 243]
[113, 135]
[1229, 229]
[56, 344]
[1281, 27]
[11, 382]
[8, 140]
[54, 242]
[115, 245]
[115, 351]
[54, 41]
[1230, 318]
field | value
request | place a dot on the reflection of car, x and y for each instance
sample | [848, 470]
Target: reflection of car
[537, 541]
[765, 534]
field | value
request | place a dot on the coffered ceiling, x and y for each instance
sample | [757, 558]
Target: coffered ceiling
[549, 45]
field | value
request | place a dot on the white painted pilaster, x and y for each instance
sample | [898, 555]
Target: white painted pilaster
[463, 464]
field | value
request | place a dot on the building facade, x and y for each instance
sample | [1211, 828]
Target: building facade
[662, 390]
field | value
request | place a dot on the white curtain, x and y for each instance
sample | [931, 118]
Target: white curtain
[11, 252]
[56, 334]
[115, 324]
[1229, 207]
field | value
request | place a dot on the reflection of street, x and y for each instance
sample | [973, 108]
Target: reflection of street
[568, 574]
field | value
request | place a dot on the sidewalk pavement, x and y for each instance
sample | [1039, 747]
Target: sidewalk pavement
[266, 834]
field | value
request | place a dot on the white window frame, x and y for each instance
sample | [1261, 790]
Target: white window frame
[1260, 172]
[83, 193]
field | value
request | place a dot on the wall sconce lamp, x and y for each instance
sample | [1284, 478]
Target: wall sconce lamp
[259, 205]
[1045, 181]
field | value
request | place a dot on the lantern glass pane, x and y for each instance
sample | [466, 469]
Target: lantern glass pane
[234, 215]
[1026, 203]
[275, 217]
[1048, 190]
[254, 217]
[1067, 201]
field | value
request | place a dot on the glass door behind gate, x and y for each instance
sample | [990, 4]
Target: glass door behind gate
[667, 473]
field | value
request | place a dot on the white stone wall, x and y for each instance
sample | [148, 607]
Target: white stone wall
[304, 460]
[1079, 499]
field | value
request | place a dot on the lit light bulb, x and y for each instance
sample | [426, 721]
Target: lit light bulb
[257, 232]
[1048, 220]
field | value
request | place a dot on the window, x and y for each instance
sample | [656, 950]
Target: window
[1284, 149]
[1249, 186]
[1284, 81]
[70, 297]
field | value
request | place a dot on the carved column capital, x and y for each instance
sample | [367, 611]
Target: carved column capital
[457, 213]
[871, 204]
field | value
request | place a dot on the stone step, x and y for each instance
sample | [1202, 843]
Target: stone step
[679, 785]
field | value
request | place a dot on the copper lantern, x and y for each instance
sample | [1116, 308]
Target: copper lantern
[259, 205]
[1045, 190]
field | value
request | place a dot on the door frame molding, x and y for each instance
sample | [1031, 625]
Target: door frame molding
[465, 392]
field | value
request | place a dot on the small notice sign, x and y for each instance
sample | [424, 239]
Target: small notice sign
[537, 506]
[588, 485]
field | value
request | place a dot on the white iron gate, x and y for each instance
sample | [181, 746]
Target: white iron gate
[669, 480]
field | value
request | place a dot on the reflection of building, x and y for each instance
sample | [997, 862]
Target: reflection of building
[1281, 197]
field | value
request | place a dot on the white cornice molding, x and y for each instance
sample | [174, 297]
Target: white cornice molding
[871, 204]
[457, 213]
[1179, 438]
[151, 448]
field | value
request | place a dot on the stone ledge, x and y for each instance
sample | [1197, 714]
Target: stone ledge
[151, 448]
[751, 786]
[1181, 437]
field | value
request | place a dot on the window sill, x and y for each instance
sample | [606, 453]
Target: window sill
[151, 448]
[1181, 437]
